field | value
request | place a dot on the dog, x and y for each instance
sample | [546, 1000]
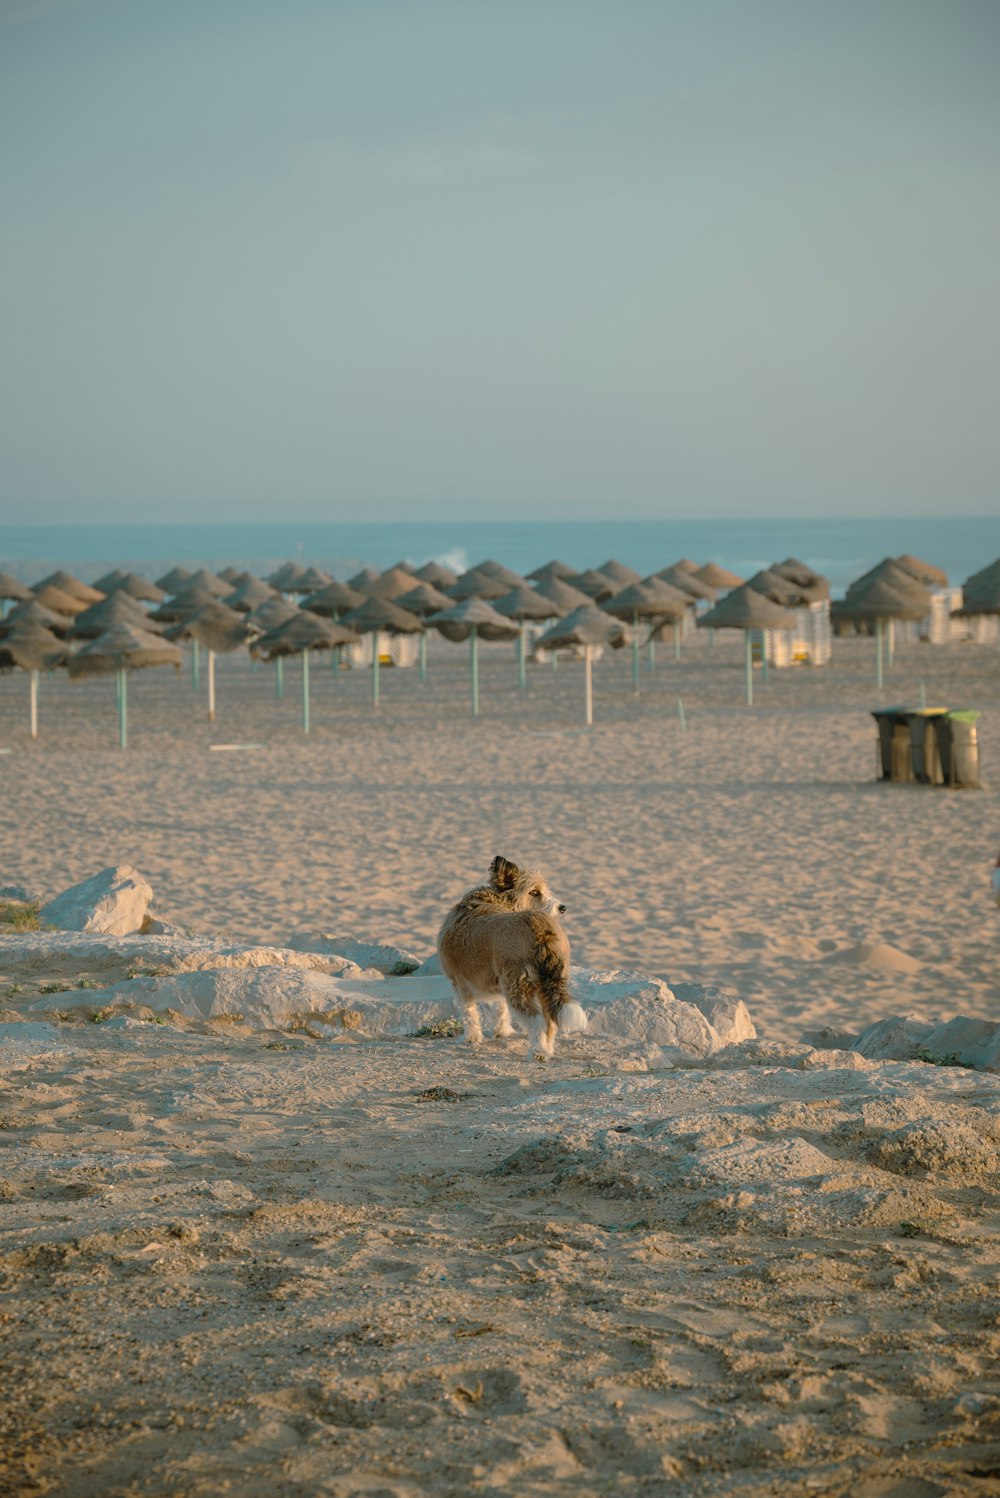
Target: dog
[503, 942]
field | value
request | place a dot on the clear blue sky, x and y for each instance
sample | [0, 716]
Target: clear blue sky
[339, 259]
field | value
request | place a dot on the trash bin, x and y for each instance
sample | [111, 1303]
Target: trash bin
[929, 745]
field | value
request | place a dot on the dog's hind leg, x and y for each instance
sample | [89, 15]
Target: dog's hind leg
[470, 1014]
[504, 1029]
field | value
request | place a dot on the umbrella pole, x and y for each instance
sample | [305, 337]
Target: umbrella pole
[122, 708]
[305, 691]
[635, 652]
[279, 676]
[423, 655]
[890, 642]
[474, 662]
[522, 647]
[588, 687]
[211, 686]
[651, 649]
[763, 654]
[195, 667]
[34, 704]
[878, 653]
[677, 640]
[748, 665]
[375, 666]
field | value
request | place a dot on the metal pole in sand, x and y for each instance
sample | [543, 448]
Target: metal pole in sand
[375, 666]
[211, 686]
[588, 687]
[195, 667]
[748, 665]
[682, 716]
[122, 707]
[474, 663]
[423, 655]
[635, 651]
[677, 641]
[878, 653]
[763, 654]
[305, 690]
[522, 650]
[279, 676]
[34, 704]
[890, 642]
[651, 652]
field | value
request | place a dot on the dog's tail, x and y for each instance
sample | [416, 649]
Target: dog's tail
[553, 973]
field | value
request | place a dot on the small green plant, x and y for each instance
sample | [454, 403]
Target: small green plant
[440, 1029]
[21, 917]
[146, 970]
[910, 1230]
[54, 988]
[13, 990]
[952, 1058]
[99, 1016]
[154, 1019]
[88, 983]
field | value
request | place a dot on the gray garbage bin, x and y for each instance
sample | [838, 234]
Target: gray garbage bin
[928, 746]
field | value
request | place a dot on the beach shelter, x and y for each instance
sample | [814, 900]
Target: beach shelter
[333, 600]
[390, 584]
[555, 569]
[378, 616]
[719, 579]
[12, 590]
[361, 579]
[880, 603]
[596, 586]
[67, 583]
[285, 578]
[312, 580]
[33, 612]
[220, 630]
[67, 604]
[498, 570]
[299, 635]
[619, 573]
[524, 603]
[136, 587]
[403, 566]
[586, 628]
[563, 595]
[184, 603]
[796, 586]
[477, 584]
[746, 609]
[265, 617]
[209, 581]
[923, 572]
[437, 574]
[813, 586]
[980, 605]
[422, 600]
[171, 581]
[688, 582]
[116, 608]
[649, 599]
[248, 594]
[473, 619]
[34, 649]
[123, 648]
[105, 583]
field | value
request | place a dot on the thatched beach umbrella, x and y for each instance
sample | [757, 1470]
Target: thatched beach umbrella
[981, 593]
[266, 616]
[136, 587]
[597, 586]
[719, 579]
[183, 604]
[586, 627]
[813, 586]
[422, 600]
[12, 590]
[563, 595]
[477, 584]
[924, 572]
[472, 619]
[106, 582]
[67, 604]
[249, 593]
[33, 612]
[653, 599]
[746, 609]
[688, 582]
[390, 584]
[619, 573]
[881, 603]
[312, 580]
[121, 649]
[333, 600]
[437, 574]
[361, 579]
[116, 608]
[377, 616]
[298, 636]
[286, 577]
[523, 603]
[780, 590]
[555, 569]
[67, 583]
[174, 579]
[499, 571]
[218, 629]
[33, 648]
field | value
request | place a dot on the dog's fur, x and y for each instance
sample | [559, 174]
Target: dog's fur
[503, 942]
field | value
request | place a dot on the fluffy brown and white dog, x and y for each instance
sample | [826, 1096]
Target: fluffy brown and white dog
[503, 943]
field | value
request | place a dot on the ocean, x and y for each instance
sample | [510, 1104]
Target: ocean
[840, 549]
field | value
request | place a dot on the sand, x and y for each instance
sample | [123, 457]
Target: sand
[255, 1261]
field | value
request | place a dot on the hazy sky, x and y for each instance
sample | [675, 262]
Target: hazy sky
[374, 258]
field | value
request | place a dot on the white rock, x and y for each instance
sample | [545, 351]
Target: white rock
[633, 1006]
[382, 956]
[895, 1039]
[972, 1042]
[114, 902]
[725, 1012]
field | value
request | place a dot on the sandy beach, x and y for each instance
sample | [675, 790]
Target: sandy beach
[256, 1261]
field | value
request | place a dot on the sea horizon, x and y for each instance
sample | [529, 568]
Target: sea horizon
[838, 548]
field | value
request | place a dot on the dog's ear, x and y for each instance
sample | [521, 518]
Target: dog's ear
[503, 873]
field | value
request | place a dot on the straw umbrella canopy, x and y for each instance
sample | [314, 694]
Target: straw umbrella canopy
[378, 616]
[249, 593]
[171, 581]
[312, 580]
[650, 598]
[182, 605]
[564, 596]
[523, 603]
[423, 599]
[619, 573]
[719, 579]
[136, 587]
[12, 590]
[472, 619]
[390, 584]
[361, 579]
[269, 614]
[586, 627]
[985, 574]
[105, 583]
[285, 578]
[812, 586]
[780, 590]
[123, 648]
[687, 581]
[880, 602]
[68, 604]
[596, 586]
[220, 630]
[498, 570]
[555, 568]
[33, 648]
[333, 600]
[210, 581]
[116, 608]
[67, 583]
[300, 634]
[33, 612]
[980, 592]
[437, 574]
[477, 584]
[403, 566]
[747, 609]
[924, 572]
[887, 571]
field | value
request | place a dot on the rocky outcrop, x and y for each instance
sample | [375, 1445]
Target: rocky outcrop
[114, 902]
